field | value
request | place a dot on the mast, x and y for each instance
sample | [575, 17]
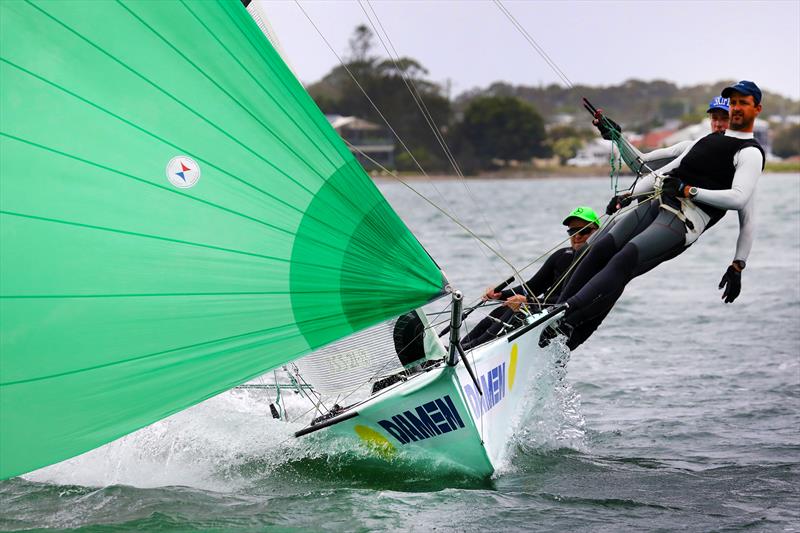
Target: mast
[456, 350]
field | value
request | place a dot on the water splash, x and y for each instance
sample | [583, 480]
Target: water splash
[199, 447]
[230, 443]
[552, 418]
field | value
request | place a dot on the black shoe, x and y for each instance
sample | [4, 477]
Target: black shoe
[560, 327]
[548, 334]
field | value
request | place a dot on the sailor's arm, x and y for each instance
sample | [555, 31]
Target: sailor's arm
[731, 282]
[647, 183]
[746, 225]
[741, 196]
[748, 169]
[538, 283]
[638, 161]
[665, 153]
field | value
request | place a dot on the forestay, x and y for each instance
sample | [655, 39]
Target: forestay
[177, 218]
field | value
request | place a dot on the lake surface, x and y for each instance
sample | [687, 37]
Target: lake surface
[681, 413]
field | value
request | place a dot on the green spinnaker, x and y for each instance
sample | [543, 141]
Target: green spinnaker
[123, 298]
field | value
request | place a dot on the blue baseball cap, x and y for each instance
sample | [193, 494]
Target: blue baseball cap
[744, 87]
[719, 102]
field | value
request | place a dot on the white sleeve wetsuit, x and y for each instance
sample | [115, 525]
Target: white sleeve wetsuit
[668, 153]
[648, 235]
[740, 197]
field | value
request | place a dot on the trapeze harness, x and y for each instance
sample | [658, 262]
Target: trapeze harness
[660, 230]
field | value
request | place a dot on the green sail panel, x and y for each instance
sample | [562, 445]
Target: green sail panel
[176, 217]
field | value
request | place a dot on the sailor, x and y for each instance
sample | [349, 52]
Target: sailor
[717, 174]
[719, 114]
[546, 284]
[661, 158]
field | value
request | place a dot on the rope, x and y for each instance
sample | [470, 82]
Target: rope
[383, 117]
[534, 44]
[417, 97]
[615, 168]
[435, 206]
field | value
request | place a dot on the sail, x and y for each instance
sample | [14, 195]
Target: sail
[360, 360]
[176, 217]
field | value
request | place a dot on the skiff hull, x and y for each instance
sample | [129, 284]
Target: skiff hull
[440, 417]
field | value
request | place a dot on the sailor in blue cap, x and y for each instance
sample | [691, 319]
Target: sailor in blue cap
[658, 159]
[745, 104]
[718, 112]
[717, 174]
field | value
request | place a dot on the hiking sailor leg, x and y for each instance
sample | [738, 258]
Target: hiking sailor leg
[604, 248]
[664, 239]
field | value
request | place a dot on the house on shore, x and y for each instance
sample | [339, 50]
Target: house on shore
[695, 131]
[597, 151]
[372, 144]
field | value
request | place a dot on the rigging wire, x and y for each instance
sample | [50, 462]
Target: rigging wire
[536, 46]
[617, 139]
[533, 43]
[423, 108]
[409, 83]
[388, 125]
[435, 206]
[440, 139]
[361, 88]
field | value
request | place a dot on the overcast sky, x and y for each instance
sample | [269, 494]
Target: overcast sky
[472, 44]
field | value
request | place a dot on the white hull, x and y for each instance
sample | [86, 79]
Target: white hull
[439, 416]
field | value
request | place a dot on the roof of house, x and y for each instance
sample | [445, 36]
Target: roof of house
[338, 122]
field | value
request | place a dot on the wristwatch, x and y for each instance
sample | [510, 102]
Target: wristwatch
[739, 264]
[692, 192]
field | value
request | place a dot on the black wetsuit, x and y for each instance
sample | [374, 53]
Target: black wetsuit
[645, 237]
[540, 284]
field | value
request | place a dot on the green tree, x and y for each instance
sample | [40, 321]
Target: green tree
[383, 80]
[361, 43]
[567, 148]
[503, 127]
[671, 108]
[787, 142]
[566, 140]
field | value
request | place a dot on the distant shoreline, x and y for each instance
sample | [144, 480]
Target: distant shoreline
[560, 172]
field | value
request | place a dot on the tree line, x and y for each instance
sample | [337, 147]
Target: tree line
[489, 127]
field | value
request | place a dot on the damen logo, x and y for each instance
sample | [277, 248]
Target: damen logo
[183, 172]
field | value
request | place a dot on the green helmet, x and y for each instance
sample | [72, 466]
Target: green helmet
[583, 213]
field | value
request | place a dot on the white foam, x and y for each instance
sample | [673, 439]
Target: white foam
[202, 447]
[552, 417]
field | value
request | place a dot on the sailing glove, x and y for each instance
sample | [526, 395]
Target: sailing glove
[618, 202]
[732, 282]
[672, 186]
[609, 129]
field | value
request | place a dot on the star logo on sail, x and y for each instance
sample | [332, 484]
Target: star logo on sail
[183, 172]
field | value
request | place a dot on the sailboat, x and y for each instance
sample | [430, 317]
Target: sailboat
[177, 217]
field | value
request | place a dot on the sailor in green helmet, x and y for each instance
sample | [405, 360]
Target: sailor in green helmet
[544, 287]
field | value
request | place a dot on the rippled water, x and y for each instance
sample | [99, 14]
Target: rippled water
[680, 413]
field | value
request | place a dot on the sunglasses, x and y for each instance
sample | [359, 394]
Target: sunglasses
[584, 231]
